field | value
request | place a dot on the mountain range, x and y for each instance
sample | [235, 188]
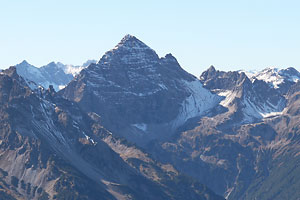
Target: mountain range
[56, 74]
[138, 126]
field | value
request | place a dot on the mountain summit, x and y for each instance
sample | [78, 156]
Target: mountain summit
[130, 50]
[132, 88]
[130, 41]
[236, 132]
[50, 149]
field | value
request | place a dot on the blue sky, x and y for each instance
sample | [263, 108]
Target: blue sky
[230, 34]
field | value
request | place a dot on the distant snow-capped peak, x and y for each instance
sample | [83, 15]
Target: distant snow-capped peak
[76, 69]
[274, 76]
[270, 75]
[54, 73]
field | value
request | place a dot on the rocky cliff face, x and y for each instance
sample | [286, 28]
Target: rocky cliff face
[137, 92]
[240, 150]
[236, 132]
[50, 149]
[226, 129]
[251, 100]
[280, 79]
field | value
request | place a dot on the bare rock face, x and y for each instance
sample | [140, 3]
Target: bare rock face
[245, 150]
[226, 129]
[250, 100]
[50, 149]
[279, 79]
[135, 91]
[235, 132]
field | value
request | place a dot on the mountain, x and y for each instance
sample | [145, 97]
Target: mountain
[138, 126]
[135, 91]
[56, 74]
[249, 100]
[239, 151]
[279, 159]
[281, 79]
[50, 149]
[226, 129]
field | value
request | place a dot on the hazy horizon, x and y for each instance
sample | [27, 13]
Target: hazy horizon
[231, 35]
[187, 69]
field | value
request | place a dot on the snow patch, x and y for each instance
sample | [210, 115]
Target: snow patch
[253, 111]
[88, 138]
[229, 97]
[60, 87]
[163, 86]
[271, 114]
[197, 103]
[274, 76]
[142, 127]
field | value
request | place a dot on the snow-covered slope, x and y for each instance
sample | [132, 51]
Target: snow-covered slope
[255, 106]
[197, 103]
[250, 99]
[75, 69]
[252, 106]
[276, 76]
[56, 74]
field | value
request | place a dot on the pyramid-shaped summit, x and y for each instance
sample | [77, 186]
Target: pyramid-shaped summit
[130, 51]
[132, 85]
[24, 62]
[130, 41]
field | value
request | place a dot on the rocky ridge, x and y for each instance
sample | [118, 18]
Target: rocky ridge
[50, 149]
[235, 132]
[56, 74]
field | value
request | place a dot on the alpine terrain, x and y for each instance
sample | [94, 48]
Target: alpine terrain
[134, 125]
[50, 149]
[56, 74]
